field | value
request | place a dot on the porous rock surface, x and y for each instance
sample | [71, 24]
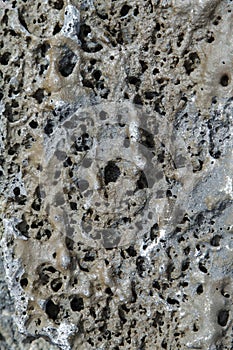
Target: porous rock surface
[116, 174]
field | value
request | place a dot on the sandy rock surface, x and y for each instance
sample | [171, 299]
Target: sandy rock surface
[116, 171]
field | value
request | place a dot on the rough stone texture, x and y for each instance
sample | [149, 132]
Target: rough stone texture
[116, 174]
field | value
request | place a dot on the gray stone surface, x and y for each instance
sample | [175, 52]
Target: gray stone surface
[116, 174]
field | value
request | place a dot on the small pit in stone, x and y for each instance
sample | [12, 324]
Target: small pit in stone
[111, 172]
[52, 309]
[56, 284]
[76, 304]
[224, 81]
[215, 241]
[124, 10]
[83, 143]
[223, 316]
[142, 181]
[24, 282]
[200, 289]
[67, 62]
[39, 95]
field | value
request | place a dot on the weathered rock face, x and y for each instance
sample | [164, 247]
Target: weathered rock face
[116, 174]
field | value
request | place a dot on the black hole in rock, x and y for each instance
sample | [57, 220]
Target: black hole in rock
[2, 338]
[13, 150]
[215, 241]
[84, 31]
[142, 181]
[156, 285]
[224, 81]
[131, 251]
[137, 100]
[185, 265]
[13, 33]
[33, 124]
[223, 316]
[155, 71]
[52, 310]
[56, 284]
[4, 59]
[154, 231]
[50, 269]
[111, 172]
[134, 80]
[146, 138]
[4, 19]
[56, 29]
[48, 129]
[36, 205]
[122, 315]
[108, 291]
[69, 243]
[180, 39]
[125, 220]
[210, 38]
[133, 291]
[14, 104]
[191, 62]
[87, 83]
[16, 191]
[43, 48]
[172, 301]
[76, 304]
[149, 95]
[144, 65]
[97, 74]
[215, 155]
[24, 282]
[136, 12]
[202, 268]
[104, 94]
[67, 162]
[83, 143]
[23, 227]
[124, 10]
[89, 257]
[73, 206]
[39, 95]
[48, 233]
[195, 329]
[93, 62]
[140, 264]
[67, 63]
[225, 294]
[200, 289]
